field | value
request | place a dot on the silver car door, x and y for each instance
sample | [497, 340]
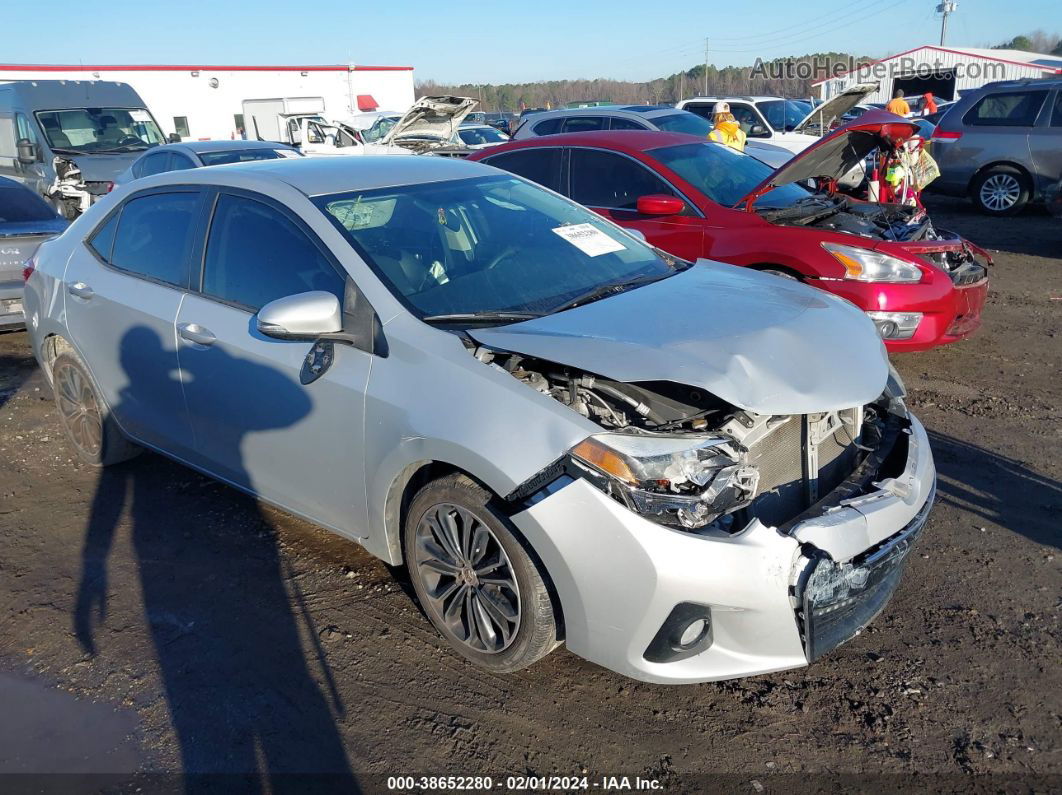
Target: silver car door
[256, 424]
[124, 285]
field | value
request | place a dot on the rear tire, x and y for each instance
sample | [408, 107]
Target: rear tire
[475, 580]
[84, 416]
[1000, 190]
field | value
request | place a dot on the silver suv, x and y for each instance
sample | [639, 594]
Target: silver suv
[684, 472]
[1002, 145]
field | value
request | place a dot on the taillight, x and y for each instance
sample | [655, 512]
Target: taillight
[110, 186]
[945, 135]
[29, 267]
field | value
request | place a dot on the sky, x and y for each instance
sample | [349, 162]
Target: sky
[455, 41]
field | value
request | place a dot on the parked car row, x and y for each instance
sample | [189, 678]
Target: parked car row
[683, 471]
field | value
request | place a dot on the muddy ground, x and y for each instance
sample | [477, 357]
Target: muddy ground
[191, 631]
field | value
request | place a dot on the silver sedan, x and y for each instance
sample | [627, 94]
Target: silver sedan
[685, 472]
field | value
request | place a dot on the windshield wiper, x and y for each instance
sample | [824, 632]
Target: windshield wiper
[481, 317]
[68, 151]
[605, 290]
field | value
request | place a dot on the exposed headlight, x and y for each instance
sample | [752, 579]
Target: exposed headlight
[683, 481]
[865, 265]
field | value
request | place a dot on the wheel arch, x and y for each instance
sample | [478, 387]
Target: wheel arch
[764, 266]
[1023, 170]
[404, 488]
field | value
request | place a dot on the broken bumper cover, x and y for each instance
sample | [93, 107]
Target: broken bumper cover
[620, 578]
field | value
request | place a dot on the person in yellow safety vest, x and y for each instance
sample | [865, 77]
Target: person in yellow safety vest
[898, 104]
[727, 131]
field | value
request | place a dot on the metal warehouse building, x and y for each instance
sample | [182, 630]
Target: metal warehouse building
[206, 102]
[945, 71]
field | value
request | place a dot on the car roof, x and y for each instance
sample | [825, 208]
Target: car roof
[620, 140]
[736, 98]
[316, 176]
[224, 146]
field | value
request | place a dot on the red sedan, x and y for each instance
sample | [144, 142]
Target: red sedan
[923, 287]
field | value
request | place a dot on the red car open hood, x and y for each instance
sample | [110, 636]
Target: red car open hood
[839, 152]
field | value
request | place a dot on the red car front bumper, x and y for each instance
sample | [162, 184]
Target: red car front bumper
[949, 313]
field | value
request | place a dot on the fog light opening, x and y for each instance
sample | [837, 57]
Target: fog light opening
[693, 633]
[896, 325]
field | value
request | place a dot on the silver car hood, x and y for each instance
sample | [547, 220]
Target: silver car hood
[757, 341]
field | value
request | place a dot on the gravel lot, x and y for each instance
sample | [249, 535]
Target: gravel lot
[153, 621]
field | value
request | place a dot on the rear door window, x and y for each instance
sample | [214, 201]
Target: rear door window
[1006, 109]
[577, 124]
[155, 163]
[621, 123]
[611, 181]
[154, 234]
[538, 165]
[256, 254]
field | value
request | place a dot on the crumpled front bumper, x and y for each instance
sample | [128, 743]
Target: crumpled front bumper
[619, 577]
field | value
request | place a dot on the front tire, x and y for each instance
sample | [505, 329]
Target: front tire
[84, 416]
[999, 191]
[475, 580]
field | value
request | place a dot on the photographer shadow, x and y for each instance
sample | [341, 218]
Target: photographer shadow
[245, 708]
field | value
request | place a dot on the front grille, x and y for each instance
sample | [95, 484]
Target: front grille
[786, 486]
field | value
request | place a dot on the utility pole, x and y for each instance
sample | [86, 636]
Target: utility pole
[705, 66]
[944, 9]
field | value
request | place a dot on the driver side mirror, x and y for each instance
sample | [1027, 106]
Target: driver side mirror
[304, 316]
[173, 138]
[758, 131]
[660, 204]
[27, 151]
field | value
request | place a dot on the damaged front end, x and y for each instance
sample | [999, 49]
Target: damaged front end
[69, 191]
[683, 458]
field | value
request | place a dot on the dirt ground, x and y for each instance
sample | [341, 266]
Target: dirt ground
[193, 632]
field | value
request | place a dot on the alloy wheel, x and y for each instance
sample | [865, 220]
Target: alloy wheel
[468, 579]
[1000, 192]
[79, 409]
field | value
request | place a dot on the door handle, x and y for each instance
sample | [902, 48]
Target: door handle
[193, 332]
[80, 290]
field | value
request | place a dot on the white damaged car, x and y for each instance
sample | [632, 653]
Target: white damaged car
[685, 472]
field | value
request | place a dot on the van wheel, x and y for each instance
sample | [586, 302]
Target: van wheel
[474, 579]
[85, 419]
[1000, 190]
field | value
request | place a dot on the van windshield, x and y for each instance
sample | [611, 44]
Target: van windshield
[98, 130]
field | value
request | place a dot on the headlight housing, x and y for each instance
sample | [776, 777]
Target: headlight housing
[867, 265]
[684, 481]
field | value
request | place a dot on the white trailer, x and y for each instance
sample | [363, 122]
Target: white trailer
[203, 102]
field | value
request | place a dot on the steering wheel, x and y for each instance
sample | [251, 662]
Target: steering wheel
[125, 140]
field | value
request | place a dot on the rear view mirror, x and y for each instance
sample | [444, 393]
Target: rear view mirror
[660, 204]
[27, 151]
[305, 316]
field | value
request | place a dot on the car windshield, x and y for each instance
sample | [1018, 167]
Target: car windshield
[19, 205]
[97, 130]
[683, 122]
[726, 176]
[244, 155]
[487, 245]
[380, 128]
[784, 114]
[473, 136]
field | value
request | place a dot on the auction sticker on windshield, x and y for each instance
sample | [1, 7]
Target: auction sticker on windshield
[589, 239]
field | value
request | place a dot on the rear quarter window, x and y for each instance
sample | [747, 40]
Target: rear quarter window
[1006, 109]
[547, 127]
